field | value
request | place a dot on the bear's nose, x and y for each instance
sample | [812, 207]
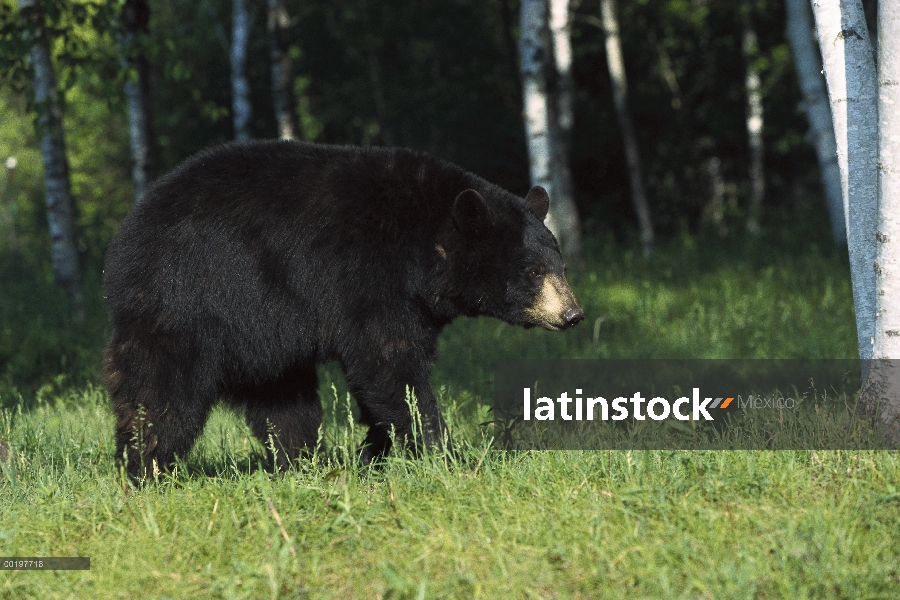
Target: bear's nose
[573, 316]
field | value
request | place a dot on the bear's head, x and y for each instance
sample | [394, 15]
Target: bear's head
[509, 262]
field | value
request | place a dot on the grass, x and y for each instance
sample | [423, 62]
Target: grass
[533, 524]
[490, 524]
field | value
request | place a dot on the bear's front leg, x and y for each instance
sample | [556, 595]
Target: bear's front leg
[380, 388]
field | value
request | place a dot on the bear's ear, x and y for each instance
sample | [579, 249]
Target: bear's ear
[538, 202]
[471, 214]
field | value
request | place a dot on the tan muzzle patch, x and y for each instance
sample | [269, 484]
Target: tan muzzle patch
[552, 304]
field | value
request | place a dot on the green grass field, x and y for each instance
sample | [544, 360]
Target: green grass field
[616, 524]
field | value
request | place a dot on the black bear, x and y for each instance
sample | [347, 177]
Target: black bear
[251, 262]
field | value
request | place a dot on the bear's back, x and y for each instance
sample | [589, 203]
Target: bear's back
[263, 223]
[268, 186]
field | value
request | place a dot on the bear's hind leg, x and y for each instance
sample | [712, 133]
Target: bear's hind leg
[285, 415]
[161, 403]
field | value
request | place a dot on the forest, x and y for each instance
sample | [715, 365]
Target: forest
[689, 153]
[443, 77]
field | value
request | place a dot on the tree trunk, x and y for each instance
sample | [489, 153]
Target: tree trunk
[241, 109]
[881, 399]
[533, 53]
[754, 124]
[561, 130]
[715, 209]
[135, 21]
[60, 209]
[282, 92]
[561, 34]
[620, 98]
[815, 103]
[9, 200]
[850, 74]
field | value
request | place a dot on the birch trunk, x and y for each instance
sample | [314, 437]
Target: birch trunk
[60, 209]
[716, 207]
[533, 53]
[282, 93]
[850, 75]
[752, 89]
[561, 34]
[815, 104]
[135, 21]
[620, 98]
[561, 130]
[882, 397]
[241, 109]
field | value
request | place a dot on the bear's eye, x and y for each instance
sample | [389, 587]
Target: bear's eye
[534, 273]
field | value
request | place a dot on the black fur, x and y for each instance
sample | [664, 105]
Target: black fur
[251, 262]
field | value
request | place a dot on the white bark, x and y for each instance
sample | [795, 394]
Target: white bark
[815, 104]
[536, 111]
[561, 33]
[884, 375]
[620, 98]
[887, 331]
[850, 74]
[241, 109]
[282, 92]
[753, 92]
[134, 19]
[565, 211]
[60, 211]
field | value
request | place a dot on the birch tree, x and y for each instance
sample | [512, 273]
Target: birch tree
[616, 67]
[560, 22]
[850, 75]
[60, 209]
[881, 397]
[815, 104]
[716, 206]
[753, 92]
[533, 54]
[134, 20]
[241, 109]
[282, 93]
[544, 155]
